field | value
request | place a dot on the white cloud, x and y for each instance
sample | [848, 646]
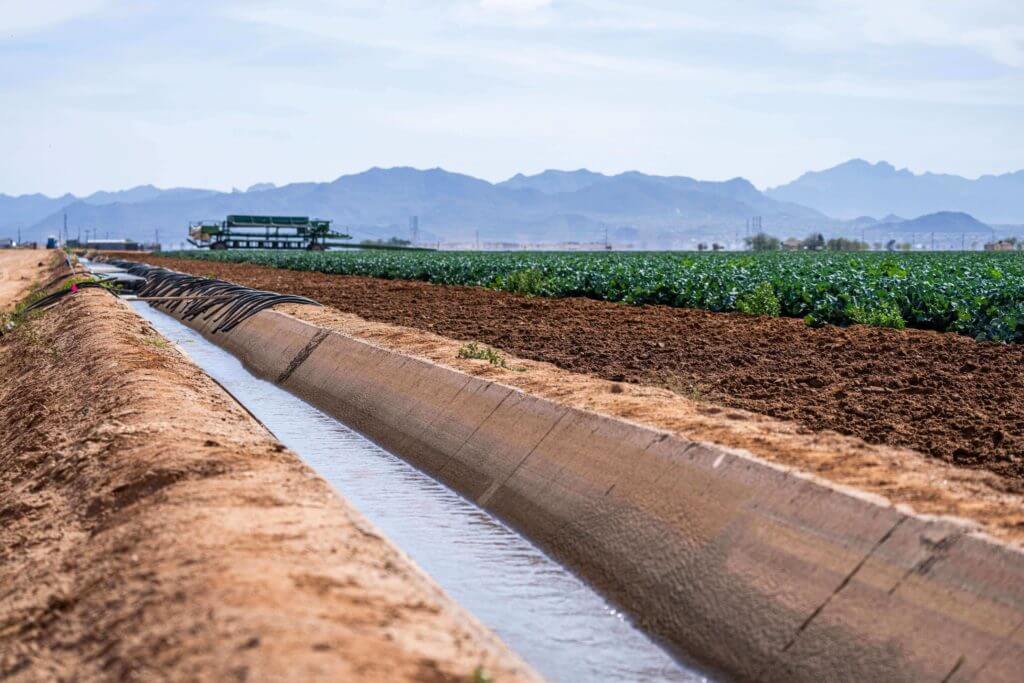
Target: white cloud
[993, 28]
[20, 16]
[514, 6]
[492, 87]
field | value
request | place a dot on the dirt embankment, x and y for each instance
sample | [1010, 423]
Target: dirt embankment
[19, 269]
[151, 529]
[941, 394]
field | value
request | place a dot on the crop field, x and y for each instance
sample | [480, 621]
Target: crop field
[976, 294]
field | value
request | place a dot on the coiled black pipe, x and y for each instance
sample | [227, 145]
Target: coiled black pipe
[224, 303]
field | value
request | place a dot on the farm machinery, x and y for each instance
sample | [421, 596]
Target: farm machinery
[265, 232]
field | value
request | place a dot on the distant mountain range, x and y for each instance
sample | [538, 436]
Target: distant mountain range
[553, 206]
[858, 188]
[550, 207]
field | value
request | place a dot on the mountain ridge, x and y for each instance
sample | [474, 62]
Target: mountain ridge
[858, 187]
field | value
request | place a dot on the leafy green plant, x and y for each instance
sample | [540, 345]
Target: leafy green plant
[977, 294]
[480, 352]
[760, 301]
[528, 281]
[883, 314]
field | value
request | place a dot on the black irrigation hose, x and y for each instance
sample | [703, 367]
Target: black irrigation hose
[51, 299]
[55, 280]
[225, 303]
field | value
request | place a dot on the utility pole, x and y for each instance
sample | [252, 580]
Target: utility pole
[933, 241]
[478, 240]
[19, 234]
[65, 227]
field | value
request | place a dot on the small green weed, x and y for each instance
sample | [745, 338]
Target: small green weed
[479, 352]
[157, 342]
[12, 320]
[15, 320]
[695, 391]
[79, 279]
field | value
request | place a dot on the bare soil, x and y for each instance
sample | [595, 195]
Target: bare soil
[944, 395]
[905, 477]
[150, 529]
[19, 268]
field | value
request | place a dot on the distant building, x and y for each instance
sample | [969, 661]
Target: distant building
[6, 243]
[1001, 245]
[792, 244]
[114, 245]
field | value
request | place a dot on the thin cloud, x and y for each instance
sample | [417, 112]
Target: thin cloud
[515, 6]
[21, 17]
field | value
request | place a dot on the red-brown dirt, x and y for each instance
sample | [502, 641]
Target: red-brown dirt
[942, 394]
[150, 529]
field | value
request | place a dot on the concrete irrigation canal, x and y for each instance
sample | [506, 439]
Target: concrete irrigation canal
[196, 510]
[558, 624]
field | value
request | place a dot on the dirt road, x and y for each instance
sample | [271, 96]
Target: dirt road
[19, 268]
[151, 530]
[945, 395]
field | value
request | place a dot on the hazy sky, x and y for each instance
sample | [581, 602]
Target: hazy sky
[101, 94]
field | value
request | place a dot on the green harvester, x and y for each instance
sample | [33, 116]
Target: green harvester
[265, 232]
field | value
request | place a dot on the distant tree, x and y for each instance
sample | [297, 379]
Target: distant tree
[904, 246]
[715, 246]
[814, 242]
[890, 245]
[763, 242]
[702, 247]
[392, 242]
[843, 244]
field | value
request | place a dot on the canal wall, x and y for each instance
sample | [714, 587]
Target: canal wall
[754, 569]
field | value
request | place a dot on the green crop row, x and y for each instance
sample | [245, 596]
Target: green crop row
[977, 294]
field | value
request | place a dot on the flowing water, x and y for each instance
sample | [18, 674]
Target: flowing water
[542, 611]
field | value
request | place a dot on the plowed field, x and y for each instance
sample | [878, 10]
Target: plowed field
[942, 394]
